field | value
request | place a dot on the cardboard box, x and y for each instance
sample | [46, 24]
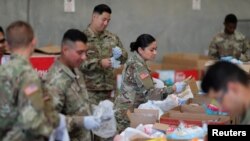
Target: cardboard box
[174, 118]
[43, 58]
[185, 61]
[161, 127]
[201, 99]
[190, 108]
[245, 67]
[142, 116]
[42, 63]
[180, 61]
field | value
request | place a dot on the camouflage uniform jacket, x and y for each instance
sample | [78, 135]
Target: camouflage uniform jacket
[100, 47]
[234, 45]
[137, 84]
[246, 117]
[70, 98]
[22, 108]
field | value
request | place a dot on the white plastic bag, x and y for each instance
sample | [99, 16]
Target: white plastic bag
[167, 104]
[105, 112]
[158, 83]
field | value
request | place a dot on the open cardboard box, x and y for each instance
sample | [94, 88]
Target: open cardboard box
[142, 116]
[174, 118]
[190, 108]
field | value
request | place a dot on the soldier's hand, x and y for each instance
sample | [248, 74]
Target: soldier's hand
[91, 122]
[61, 132]
[180, 86]
[106, 63]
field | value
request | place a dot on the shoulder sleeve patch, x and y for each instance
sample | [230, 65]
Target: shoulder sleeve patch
[31, 89]
[143, 75]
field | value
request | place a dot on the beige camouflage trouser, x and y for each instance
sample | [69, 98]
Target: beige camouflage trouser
[121, 116]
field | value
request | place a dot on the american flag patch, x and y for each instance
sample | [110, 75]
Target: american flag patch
[29, 90]
[144, 75]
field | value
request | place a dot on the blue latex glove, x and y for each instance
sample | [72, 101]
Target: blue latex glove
[117, 52]
[180, 86]
[226, 58]
[91, 122]
[115, 63]
[181, 102]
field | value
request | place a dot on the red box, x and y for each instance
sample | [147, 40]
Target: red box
[42, 63]
[174, 118]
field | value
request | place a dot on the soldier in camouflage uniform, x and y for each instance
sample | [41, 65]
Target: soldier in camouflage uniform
[97, 69]
[137, 85]
[25, 111]
[230, 42]
[230, 85]
[66, 85]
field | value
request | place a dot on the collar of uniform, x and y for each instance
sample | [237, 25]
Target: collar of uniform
[227, 35]
[94, 35]
[64, 68]
[139, 58]
[245, 116]
[19, 57]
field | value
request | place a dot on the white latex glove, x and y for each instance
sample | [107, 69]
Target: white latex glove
[91, 122]
[180, 86]
[61, 132]
[117, 52]
[115, 63]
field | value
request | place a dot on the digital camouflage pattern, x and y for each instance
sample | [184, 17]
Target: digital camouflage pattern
[70, 98]
[22, 109]
[100, 47]
[234, 45]
[246, 117]
[137, 87]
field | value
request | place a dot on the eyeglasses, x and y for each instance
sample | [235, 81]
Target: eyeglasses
[2, 41]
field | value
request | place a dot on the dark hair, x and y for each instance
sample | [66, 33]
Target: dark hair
[231, 18]
[219, 74]
[74, 35]
[19, 34]
[102, 8]
[142, 41]
[1, 30]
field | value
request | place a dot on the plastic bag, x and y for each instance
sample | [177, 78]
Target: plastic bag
[188, 133]
[105, 112]
[186, 94]
[158, 83]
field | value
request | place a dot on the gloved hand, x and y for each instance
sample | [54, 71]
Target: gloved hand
[91, 122]
[115, 63]
[61, 132]
[117, 52]
[181, 101]
[226, 58]
[180, 86]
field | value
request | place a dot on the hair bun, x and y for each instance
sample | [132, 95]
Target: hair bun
[133, 46]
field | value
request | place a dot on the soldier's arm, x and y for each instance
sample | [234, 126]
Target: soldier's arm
[91, 64]
[145, 82]
[124, 55]
[245, 51]
[31, 107]
[57, 92]
[213, 50]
